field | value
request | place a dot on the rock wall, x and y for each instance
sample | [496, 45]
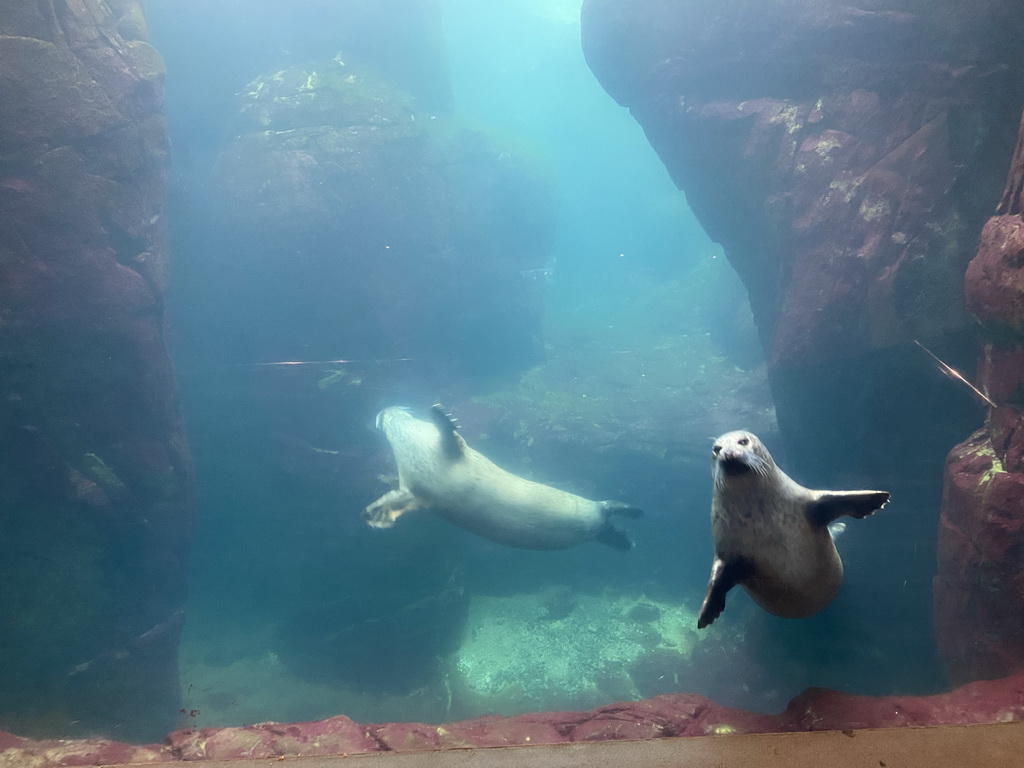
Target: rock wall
[844, 154]
[95, 477]
[979, 589]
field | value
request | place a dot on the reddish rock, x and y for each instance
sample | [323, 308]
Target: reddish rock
[84, 752]
[95, 479]
[979, 589]
[664, 716]
[669, 715]
[399, 736]
[824, 145]
[984, 702]
[334, 736]
[493, 731]
[995, 277]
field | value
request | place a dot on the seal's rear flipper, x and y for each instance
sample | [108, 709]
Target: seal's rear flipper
[614, 537]
[618, 508]
[830, 505]
[451, 442]
[724, 576]
[388, 508]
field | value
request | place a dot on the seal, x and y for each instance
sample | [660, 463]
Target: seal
[437, 470]
[772, 535]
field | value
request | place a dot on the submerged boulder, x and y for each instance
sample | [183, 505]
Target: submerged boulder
[352, 223]
[979, 589]
[95, 477]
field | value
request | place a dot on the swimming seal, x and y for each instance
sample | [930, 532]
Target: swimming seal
[772, 535]
[437, 470]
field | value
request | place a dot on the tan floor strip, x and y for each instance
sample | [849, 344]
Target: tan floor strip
[967, 746]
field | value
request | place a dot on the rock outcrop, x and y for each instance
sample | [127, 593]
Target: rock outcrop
[95, 478]
[979, 589]
[349, 221]
[846, 155]
[671, 715]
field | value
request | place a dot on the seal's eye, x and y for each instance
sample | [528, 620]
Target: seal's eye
[716, 450]
[744, 441]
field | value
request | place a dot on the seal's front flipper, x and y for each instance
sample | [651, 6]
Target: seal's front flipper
[388, 508]
[451, 441]
[724, 576]
[830, 505]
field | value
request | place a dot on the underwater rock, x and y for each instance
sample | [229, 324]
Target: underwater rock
[979, 588]
[86, 752]
[845, 156]
[95, 476]
[488, 731]
[379, 231]
[558, 602]
[407, 630]
[680, 714]
[334, 736]
[684, 714]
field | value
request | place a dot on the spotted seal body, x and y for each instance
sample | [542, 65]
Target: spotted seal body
[437, 470]
[772, 535]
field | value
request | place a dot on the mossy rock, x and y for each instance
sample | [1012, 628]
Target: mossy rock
[132, 24]
[48, 94]
[331, 93]
[148, 61]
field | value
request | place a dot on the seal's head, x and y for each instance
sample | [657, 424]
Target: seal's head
[385, 417]
[740, 453]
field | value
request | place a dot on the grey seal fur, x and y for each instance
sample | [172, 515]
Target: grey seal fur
[772, 535]
[439, 471]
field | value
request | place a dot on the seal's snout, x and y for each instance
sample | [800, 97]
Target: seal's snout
[733, 464]
[735, 453]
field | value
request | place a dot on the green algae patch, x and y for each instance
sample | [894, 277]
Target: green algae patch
[337, 378]
[97, 469]
[986, 451]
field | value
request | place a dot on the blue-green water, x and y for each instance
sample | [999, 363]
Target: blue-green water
[552, 287]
